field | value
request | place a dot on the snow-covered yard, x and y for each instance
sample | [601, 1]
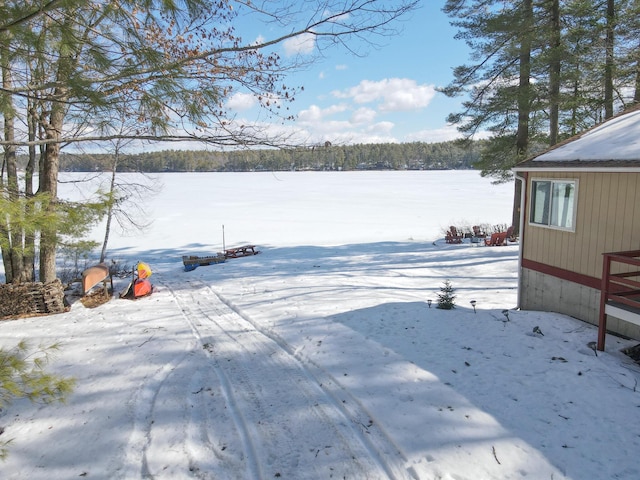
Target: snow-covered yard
[322, 359]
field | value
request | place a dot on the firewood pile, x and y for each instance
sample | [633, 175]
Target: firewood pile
[31, 298]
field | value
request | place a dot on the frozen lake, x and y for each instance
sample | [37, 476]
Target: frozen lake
[313, 208]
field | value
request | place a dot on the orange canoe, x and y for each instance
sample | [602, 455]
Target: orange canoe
[94, 275]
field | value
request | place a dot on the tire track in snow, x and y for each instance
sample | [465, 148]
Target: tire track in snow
[200, 446]
[143, 402]
[377, 442]
[264, 381]
[207, 443]
[243, 430]
[171, 411]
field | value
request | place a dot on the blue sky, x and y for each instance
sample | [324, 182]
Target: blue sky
[386, 96]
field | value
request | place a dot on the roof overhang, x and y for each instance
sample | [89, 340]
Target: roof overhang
[612, 146]
[567, 168]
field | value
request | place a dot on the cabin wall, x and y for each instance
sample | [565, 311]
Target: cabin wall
[562, 270]
[607, 220]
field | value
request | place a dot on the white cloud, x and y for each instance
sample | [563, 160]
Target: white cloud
[317, 129]
[381, 128]
[444, 134]
[316, 114]
[241, 101]
[353, 121]
[322, 124]
[304, 43]
[363, 115]
[332, 128]
[392, 94]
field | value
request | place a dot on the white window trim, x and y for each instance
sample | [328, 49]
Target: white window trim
[575, 203]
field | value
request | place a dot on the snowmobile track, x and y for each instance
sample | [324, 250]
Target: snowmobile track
[283, 406]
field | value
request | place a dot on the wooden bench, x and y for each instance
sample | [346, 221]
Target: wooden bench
[243, 251]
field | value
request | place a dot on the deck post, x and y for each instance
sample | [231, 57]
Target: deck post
[604, 292]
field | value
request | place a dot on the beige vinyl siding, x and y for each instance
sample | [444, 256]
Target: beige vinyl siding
[607, 219]
[634, 196]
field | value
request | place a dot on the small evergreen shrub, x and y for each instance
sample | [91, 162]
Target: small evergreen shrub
[446, 298]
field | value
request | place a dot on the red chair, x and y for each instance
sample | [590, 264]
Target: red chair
[453, 236]
[496, 239]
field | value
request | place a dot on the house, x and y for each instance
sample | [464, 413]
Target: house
[580, 227]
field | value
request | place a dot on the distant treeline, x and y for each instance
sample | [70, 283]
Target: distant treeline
[453, 155]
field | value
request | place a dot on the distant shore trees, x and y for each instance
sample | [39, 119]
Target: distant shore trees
[452, 155]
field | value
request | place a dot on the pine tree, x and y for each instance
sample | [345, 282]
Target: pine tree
[446, 298]
[23, 375]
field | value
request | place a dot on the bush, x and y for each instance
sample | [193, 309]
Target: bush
[75, 258]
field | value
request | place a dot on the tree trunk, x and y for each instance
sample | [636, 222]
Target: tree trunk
[107, 228]
[12, 251]
[517, 208]
[609, 60]
[49, 169]
[29, 273]
[50, 161]
[5, 243]
[524, 97]
[554, 73]
[14, 229]
[524, 84]
[636, 93]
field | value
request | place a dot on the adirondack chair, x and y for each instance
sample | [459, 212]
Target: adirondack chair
[496, 239]
[478, 235]
[500, 238]
[477, 232]
[452, 236]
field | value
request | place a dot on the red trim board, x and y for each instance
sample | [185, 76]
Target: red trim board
[563, 274]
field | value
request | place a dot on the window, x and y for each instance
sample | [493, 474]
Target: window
[553, 203]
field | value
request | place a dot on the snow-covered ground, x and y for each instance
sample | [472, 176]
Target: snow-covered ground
[320, 357]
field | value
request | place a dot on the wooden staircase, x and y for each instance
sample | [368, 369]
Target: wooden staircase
[620, 291]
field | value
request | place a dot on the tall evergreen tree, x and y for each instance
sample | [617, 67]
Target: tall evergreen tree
[498, 83]
[541, 70]
[501, 94]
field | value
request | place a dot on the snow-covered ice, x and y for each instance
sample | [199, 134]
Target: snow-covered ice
[320, 357]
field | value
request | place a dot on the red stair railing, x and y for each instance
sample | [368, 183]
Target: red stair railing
[621, 288]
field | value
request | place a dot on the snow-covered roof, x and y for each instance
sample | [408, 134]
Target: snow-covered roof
[612, 144]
